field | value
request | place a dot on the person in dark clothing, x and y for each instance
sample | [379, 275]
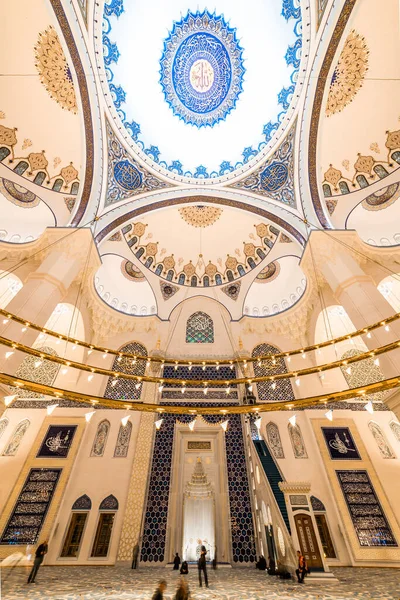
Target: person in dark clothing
[261, 564]
[271, 566]
[135, 554]
[177, 562]
[302, 568]
[159, 593]
[202, 566]
[214, 562]
[184, 568]
[39, 556]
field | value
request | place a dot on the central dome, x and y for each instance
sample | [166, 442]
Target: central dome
[201, 69]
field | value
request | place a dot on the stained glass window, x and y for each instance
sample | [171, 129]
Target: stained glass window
[200, 329]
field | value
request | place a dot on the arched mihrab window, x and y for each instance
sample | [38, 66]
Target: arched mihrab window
[200, 329]
[126, 388]
[278, 391]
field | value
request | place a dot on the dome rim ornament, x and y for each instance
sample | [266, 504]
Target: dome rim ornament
[213, 26]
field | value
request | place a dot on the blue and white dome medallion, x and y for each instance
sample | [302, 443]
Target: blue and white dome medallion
[202, 69]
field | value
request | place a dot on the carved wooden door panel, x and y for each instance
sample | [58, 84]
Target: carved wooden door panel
[308, 541]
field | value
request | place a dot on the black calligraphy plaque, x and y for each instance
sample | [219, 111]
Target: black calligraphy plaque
[340, 443]
[31, 508]
[57, 441]
[366, 512]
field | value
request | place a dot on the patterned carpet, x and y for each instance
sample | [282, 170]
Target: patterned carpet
[114, 583]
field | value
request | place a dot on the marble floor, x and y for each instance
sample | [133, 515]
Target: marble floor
[114, 583]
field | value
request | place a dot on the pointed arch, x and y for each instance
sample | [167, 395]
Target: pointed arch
[109, 503]
[3, 424]
[16, 438]
[123, 439]
[82, 503]
[100, 440]
[282, 390]
[317, 504]
[299, 448]
[274, 439]
[199, 329]
[45, 373]
[380, 438]
[125, 388]
[395, 427]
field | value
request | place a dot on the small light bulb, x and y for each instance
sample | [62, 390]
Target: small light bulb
[348, 370]
[37, 363]
[158, 423]
[228, 390]
[232, 367]
[9, 399]
[257, 422]
[119, 358]
[51, 408]
[329, 415]
[273, 385]
[8, 354]
[23, 329]
[289, 359]
[114, 382]
[224, 424]
[148, 363]
[74, 347]
[387, 328]
[369, 335]
[369, 407]
[160, 388]
[376, 362]
[64, 371]
[204, 367]
[292, 420]
[192, 424]
[137, 386]
[303, 355]
[190, 366]
[125, 420]
[89, 415]
[90, 377]
[205, 391]
[90, 352]
[5, 321]
[176, 367]
[217, 367]
[183, 389]
[297, 382]
[105, 355]
[250, 388]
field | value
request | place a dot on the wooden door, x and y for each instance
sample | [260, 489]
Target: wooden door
[308, 541]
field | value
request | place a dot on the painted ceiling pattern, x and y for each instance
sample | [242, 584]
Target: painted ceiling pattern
[17, 194]
[200, 271]
[34, 166]
[201, 77]
[202, 69]
[275, 177]
[131, 272]
[126, 177]
[200, 215]
[366, 169]
[349, 73]
[269, 273]
[54, 71]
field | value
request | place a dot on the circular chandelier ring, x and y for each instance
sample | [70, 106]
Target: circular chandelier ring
[202, 362]
[196, 382]
[59, 393]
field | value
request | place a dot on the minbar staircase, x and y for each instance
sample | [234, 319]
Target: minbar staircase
[274, 477]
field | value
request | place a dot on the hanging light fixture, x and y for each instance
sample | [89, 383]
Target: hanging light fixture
[369, 407]
[125, 420]
[257, 423]
[329, 415]
[90, 377]
[9, 399]
[161, 387]
[192, 424]
[9, 353]
[228, 389]
[273, 386]
[224, 424]
[51, 408]
[376, 362]
[38, 363]
[292, 420]
[158, 423]
[137, 385]
[89, 415]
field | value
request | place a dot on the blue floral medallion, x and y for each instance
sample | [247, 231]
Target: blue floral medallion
[127, 175]
[202, 69]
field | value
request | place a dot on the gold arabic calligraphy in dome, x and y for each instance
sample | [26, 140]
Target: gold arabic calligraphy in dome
[349, 73]
[130, 271]
[269, 273]
[54, 71]
[200, 270]
[200, 216]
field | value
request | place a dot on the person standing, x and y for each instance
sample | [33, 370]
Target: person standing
[202, 566]
[39, 556]
[302, 567]
[135, 554]
[177, 562]
[159, 593]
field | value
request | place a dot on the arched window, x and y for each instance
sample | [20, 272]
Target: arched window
[139, 252]
[395, 427]
[229, 275]
[343, 187]
[21, 167]
[76, 527]
[206, 281]
[362, 372]
[123, 439]
[390, 290]
[75, 188]
[149, 262]
[193, 281]
[299, 448]
[39, 178]
[381, 440]
[260, 253]
[362, 181]
[380, 171]
[278, 391]
[57, 185]
[218, 279]
[100, 440]
[274, 439]
[181, 279]
[4, 152]
[125, 388]
[241, 270]
[251, 262]
[45, 373]
[16, 438]
[327, 190]
[170, 275]
[102, 539]
[3, 424]
[200, 329]
[159, 269]
[10, 285]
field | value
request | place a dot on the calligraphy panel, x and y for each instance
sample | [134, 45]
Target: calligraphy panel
[31, 508]
[366, 512]
[340, 443]
[200, 329]
[57, 441]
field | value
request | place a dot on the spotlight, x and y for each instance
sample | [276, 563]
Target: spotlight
[192, 424]
[257, 422]
[114, 382]
[37, 363]
[89, 415]
[292, 420]
[90, 377]
[205, 391]
[51, 408]
[160, 388]
[5, 321]
[125, 420]
[183, 389]
[369, 335]
[137, 385]
[224, 424]
[348, 370]
[329, 415]
[273, 385]
[387, 328]
[158, 423]
[297, 382]
[250, 388]
[8, 354]
[369, 407]
[228, 390]
[64, 371]
[9, 399]
[376, 362]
